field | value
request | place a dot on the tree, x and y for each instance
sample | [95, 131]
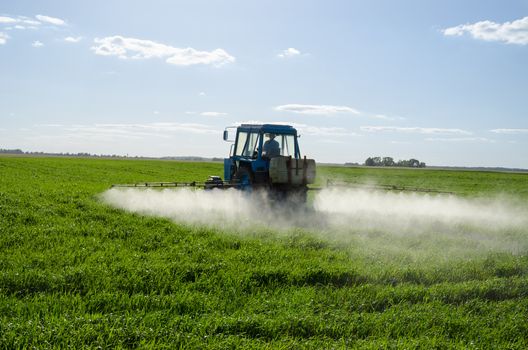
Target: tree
[388, 161]
[377, 161]
[414, 163]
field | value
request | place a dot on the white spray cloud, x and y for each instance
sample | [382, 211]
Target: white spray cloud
[440, 225]
[214, 207]
[409, 211]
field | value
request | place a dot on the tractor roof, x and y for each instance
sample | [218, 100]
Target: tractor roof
[269, 128]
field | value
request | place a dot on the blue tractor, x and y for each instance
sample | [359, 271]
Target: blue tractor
[267, 156]
[263, 157]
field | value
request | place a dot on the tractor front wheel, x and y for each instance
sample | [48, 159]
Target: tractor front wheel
[243, 177]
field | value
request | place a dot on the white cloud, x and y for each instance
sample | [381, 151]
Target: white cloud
[51, 20]
[19, 20]
[162, 127]
[30, 22]
[213, 114]
[48, 125]
[386, 117]
[132, 131]
[131, 48]
[202, 93]
[331, 141]
[289, 52]
[8, 20]
[305, 129]
[515, 32]
[3, 38]
[460, 139]
[324, 131]
[510, 131]
[23, 22]
[71, 39]
[415, 130]
[315, 109]
[37, 43]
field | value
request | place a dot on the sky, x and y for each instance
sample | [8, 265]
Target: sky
[445, 82]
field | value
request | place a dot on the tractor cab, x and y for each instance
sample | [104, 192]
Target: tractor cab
[253, 148]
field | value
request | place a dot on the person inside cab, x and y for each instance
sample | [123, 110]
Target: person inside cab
[271, 147]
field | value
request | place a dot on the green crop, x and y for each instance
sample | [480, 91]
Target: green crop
[75, 272]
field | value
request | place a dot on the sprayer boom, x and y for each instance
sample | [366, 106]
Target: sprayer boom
[212, 182]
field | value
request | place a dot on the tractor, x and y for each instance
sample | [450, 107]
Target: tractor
[267, 157]
[263, 157]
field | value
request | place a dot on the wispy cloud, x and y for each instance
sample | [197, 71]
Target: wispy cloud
[162, 127]
[132, 131]
[131, 48]
[386, 117]
[308, 129]
[24, 22]
[324, 131]
[415, 130]
[515, 32]
[37, 43]
[73, 40]
[51, 20]
[289, 52]
[510, 131]
[8, 20]
[3, 38]
[459, 139]
[331, 141]
[48, 125]
[213, 114]
[315, 109]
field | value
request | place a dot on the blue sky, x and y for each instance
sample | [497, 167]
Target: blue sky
[444, 82]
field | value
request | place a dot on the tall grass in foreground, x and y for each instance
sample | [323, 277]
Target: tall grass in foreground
[76, 272]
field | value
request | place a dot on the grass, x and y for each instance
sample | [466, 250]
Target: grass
[77, 273]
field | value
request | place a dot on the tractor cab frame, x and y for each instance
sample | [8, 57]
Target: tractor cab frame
[248, 164]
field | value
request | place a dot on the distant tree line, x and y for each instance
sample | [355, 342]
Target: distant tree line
[61, 154]
[389, 161]
[85, 155]
[11, 151]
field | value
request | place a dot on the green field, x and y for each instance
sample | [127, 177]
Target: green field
[75, 272]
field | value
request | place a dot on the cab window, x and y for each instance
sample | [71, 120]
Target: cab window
[247, 144]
